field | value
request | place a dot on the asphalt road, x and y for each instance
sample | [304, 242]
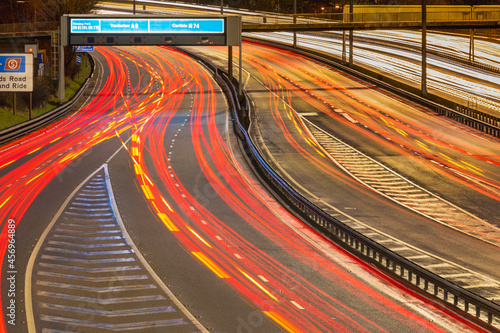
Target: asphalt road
[451, 162]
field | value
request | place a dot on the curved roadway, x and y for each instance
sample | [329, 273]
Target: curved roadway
[220, 245]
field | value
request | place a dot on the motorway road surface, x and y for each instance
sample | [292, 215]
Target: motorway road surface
[422, 185]
[146, 180]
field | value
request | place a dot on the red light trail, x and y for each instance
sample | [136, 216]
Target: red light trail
[147, 109]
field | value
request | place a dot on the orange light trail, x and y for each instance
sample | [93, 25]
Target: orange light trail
[197, 226]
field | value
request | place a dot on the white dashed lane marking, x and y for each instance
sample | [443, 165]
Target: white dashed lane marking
[86, 273]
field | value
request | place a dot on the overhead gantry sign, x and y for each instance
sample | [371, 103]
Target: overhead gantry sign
[150, 30]
[81, 30]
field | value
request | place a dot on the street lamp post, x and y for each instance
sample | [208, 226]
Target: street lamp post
[471, 38]
[424, 49]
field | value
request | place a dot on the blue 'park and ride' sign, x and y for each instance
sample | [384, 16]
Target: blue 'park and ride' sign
[12, 64]
[16, 72]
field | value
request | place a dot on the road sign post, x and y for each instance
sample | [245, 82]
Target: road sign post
[16, 72]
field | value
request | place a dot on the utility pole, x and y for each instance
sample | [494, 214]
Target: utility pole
[471, 38]
[424, 49]
[351, 33]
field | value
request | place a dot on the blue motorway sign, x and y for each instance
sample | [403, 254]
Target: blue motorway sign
[147, 25]
[88, 30]
[84, 48]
